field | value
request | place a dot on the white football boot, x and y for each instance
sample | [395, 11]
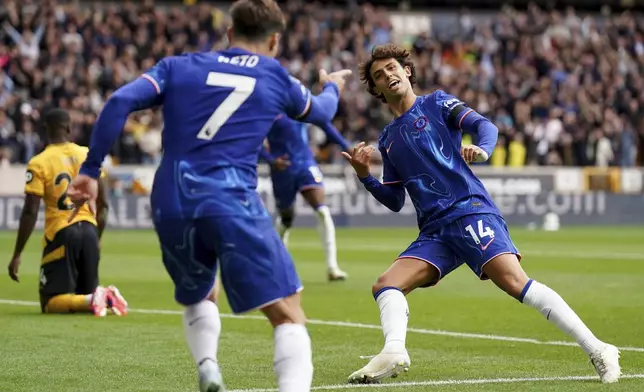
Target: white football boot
[606, 363]
[210, 379]
[381, 366]
[336, 275]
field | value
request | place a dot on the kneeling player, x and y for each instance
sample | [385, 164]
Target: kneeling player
[69, 266]
[293, 171]
[422, 154]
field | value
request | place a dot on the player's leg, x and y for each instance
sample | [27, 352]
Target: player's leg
[293, 355]
[313, 193]
[506, 272]
[87, 279]
[499, 260]
[258, 273]
[284, 222]
[284, 192]
[423, 264]
[58, 276]
[191, 264]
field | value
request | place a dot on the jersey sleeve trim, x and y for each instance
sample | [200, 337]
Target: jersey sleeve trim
[154, 82]
[307, 109]
[460, 123]
[392, 182]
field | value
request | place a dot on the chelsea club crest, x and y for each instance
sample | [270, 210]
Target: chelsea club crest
[420, 123]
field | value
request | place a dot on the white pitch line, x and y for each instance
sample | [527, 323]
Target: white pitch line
[449, 382]
[346, 324]
[526, 251]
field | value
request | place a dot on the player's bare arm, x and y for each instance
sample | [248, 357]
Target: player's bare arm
[28, 218]
[102, 206]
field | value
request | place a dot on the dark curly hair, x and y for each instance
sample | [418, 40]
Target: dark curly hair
[383, 52]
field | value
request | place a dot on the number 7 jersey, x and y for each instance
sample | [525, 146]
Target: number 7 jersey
[218, 107]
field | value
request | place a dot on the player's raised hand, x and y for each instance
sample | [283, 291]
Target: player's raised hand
[471, 153]
[337, 77]
[83, 189]
[14, 265]
[360, 159]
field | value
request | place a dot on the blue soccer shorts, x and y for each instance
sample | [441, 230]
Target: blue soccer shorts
[256, 269]
[473, 240]
[295, 179]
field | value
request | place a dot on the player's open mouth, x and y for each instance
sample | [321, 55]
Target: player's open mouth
[394, 83]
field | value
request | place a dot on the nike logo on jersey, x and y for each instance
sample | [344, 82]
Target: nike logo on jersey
[389, 148]
[245, 203]
[484, 247]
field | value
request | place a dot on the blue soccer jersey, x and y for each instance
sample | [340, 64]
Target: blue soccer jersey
[218, 107]
[289, 138]
[421, 152]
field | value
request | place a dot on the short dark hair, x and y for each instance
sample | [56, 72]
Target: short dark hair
[255, 20]
[57, 122]
[383, 52]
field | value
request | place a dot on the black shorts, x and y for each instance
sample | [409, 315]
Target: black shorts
[76, 271]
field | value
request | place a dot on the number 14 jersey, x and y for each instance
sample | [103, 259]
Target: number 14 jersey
[218, 107]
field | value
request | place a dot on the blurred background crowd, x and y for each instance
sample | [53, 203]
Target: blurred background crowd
[564, 88]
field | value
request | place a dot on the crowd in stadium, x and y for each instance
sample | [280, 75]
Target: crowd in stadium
[563, 89]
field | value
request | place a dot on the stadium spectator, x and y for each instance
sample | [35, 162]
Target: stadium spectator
[564, 89]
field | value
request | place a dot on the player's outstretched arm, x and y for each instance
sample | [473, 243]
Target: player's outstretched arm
[102, 206]
[142, 93]
[28, 219]
[391, 195]
[334, 135]
[319, 109]
[137, 95]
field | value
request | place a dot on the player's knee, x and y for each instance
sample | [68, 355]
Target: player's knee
[213, 296]
[513, 285]
[383, 282]
[506, 272]
[285, 311]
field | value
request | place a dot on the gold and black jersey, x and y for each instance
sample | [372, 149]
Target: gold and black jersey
[48, 176]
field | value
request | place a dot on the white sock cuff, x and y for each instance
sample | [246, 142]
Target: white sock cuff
[386, 292]
[323, 210]
[528, 291]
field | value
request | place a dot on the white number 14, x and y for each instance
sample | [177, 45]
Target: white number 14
[483, 232]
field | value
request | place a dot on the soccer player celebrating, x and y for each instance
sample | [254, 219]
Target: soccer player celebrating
[422, 154]
[218, 108]
[69, 265]
[293, 170]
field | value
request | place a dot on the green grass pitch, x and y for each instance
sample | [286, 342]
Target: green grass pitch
[464, 329]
